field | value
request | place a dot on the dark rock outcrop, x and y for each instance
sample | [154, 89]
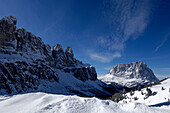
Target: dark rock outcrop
[7, 31]
[59, 56]
[20, 76]
[65, 60]
[70, 56]
[85, 73]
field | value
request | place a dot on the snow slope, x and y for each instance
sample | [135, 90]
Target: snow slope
[122, 81]
[50, 103]
[160, 97]
[68, 83]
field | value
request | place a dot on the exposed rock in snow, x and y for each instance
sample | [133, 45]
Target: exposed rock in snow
[65, 60]
[59, 56]
[25, 61]
[129, 75]
[20, 76]
[70, 56]
[7, 28]
[10, 20]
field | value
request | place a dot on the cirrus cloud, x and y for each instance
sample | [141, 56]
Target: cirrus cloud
[104, 57]
[128, 18]
[162, 43]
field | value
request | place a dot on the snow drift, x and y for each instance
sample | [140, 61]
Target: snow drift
[50, 103]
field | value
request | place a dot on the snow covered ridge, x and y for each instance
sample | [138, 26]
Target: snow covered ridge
[25, 61]
[50, 103]
[129, 75]
[153, 95]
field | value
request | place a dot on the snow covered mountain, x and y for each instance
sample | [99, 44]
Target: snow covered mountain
[27, 65]
[129, 75]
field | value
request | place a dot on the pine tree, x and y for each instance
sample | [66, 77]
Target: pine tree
[131, 93]
[139, 88]
[163, 88]
[149, 92]
[124, 91]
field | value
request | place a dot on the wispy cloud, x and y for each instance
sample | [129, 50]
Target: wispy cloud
[104, 57]
[163, 42]
[111, 43]
[128, 18]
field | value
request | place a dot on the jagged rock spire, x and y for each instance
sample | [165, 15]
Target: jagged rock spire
[70, 56]
[59, 56]
[64, 60]
[69, 50]
[7, 28]
[57, 47]
[10, 20]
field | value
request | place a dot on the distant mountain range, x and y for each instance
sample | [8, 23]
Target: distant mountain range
[29, 65]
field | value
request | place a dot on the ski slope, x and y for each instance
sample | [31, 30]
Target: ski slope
[52, 103]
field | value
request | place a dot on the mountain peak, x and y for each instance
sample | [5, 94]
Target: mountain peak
[130, 75]
[69, 50]
[10, 20]
[127, 67]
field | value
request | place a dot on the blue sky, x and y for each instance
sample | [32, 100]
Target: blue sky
[101, 32]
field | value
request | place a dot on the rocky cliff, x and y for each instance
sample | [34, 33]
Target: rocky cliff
[130, 75]
[27, 64]
[67, 62]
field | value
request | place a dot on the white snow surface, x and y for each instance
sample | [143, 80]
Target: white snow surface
[52, 103]
[161, 96]
[128, 82]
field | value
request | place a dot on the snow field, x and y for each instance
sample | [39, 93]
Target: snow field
[52, 103]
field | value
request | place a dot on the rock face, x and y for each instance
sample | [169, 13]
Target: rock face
[70, 56]
[59, 56]
[25, 61]
[7, 28]
[65, 60]
[137, 70]
[20, 76]
[130, 75]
